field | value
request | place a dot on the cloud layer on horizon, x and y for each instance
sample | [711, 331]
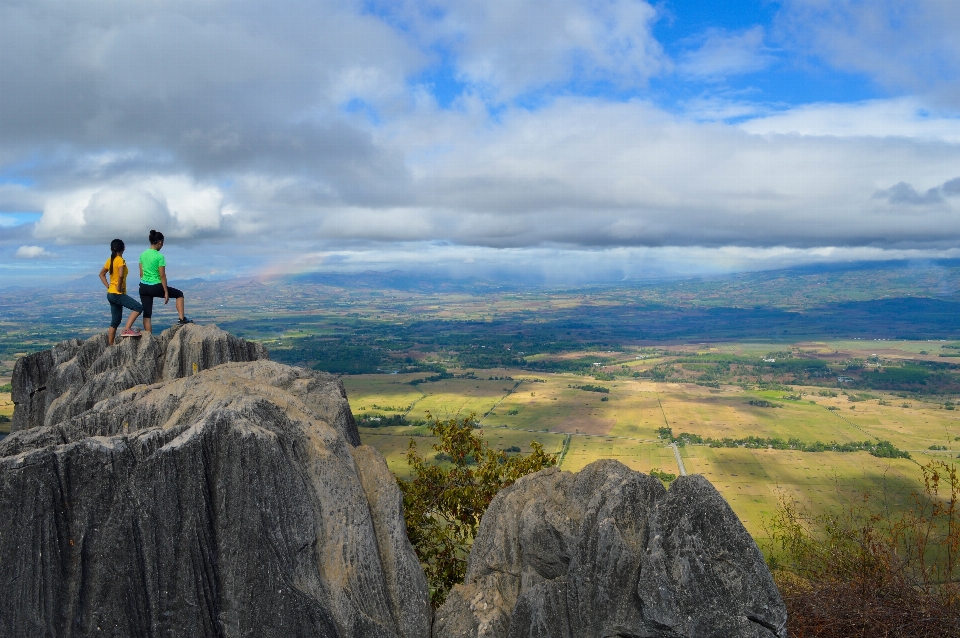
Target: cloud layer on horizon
[375, 128]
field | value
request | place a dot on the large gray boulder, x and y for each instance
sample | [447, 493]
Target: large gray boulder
[609, 552]
[233, 501]
[51, 386]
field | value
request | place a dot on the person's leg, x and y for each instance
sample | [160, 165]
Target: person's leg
[177, 294]
[135, 308]
[132, 319]
[116, 316]
[146, 299]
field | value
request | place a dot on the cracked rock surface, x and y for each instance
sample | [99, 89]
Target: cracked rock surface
[609, 552]
[53, 385]
[144, 496]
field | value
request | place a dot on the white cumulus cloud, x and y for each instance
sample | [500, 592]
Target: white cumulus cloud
[33, 252]
[177, 206]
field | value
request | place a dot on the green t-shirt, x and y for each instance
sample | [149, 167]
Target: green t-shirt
[151, 260]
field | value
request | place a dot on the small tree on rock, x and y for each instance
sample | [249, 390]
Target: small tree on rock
[443, 504]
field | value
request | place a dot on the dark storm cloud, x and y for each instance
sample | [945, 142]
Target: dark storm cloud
[904, 193]
[951, 188]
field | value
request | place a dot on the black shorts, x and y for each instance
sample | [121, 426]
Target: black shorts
[149, 291]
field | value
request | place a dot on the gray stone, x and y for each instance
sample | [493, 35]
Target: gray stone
[702, 573]
[54, 385]
[230, 502]
[610, 552]
[29, 389]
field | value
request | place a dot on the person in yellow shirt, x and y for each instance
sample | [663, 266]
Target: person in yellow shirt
[117, 295]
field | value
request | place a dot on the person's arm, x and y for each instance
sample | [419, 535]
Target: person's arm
[141, 272]
[163, 282]
[103, 278]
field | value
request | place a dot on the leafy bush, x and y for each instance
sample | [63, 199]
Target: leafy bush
[893, 378]
[665, 477]
[433, 378]
[6, 387]
[383, 421]
[763, 403]
[4, 418]
[870, 571]
[881, 449]
[589, 387]
[443, 505]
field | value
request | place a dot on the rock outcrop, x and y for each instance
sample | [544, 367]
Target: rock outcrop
[610, 552]
[50, 386]
[184, 485]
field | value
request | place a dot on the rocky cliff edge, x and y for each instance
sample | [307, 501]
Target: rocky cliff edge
[184, 485]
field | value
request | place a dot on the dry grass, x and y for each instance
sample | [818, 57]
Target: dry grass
[870, 571]
[871, 609]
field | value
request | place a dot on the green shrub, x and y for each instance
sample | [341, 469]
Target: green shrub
[665, 477]
[443, 505]
[589, 387]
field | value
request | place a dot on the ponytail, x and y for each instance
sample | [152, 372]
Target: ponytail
[116, 247]
[155, 237]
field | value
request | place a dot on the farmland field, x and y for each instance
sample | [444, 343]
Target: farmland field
[624, 422]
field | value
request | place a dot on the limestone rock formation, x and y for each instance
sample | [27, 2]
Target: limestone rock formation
[149, 491]
[53, 385]
[610, 552]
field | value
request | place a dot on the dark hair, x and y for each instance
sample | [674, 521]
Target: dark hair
[155, 237]
[116, 247]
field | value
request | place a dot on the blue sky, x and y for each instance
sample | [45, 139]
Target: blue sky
[562, 141]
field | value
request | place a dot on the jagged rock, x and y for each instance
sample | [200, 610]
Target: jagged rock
[610, 552]
[51, 386]
[230, 502]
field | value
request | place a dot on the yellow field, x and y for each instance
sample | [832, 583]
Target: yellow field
[752, 480]
[546, 408]
[6, 409]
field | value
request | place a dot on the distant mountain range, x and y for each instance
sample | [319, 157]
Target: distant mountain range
[801, 285]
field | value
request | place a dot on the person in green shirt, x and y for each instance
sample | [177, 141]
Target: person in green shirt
[153, 282]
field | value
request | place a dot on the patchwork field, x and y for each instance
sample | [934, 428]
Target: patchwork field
[6, 406]
[516, 406]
